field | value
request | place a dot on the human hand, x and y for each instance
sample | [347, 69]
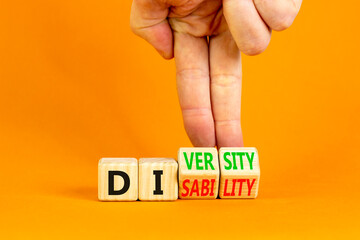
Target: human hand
[206, 38]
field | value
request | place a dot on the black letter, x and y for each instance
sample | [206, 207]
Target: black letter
[158, 190]
[111, 182]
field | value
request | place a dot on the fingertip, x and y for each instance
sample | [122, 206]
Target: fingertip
[168, 55]
[199, 126]
[229, 134]
[201, 137]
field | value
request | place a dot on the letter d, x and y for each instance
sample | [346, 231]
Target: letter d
[111, 182]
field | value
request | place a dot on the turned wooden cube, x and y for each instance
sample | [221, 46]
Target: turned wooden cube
[240, 172]
[118, 179]
[158, 179]
[198, 173]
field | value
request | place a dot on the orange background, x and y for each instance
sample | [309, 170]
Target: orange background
[76, 85]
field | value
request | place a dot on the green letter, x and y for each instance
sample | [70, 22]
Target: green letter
[198, 160]
[234, 160]
[189, 164]
[241, 154]
[208, 157]
[227, 160]
[250, 159]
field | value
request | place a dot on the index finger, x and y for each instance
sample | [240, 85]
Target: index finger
[192, 77]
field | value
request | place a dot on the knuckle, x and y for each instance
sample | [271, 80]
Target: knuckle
[285, 17]
[225, 80]
[192, 73]
[228, 122]
[279, 15]
[283, 21]
[191, 112]
[255, 47]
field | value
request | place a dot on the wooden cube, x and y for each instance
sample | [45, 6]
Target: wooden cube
[240, 172]
[198, 173]
[118, 179]
[158, 179]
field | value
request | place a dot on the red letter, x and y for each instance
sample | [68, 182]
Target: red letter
[193, 189]
[225, 188]
[212, 187]
[233, 188]
[185, 188]
[203, 187]
[250, 186]
[241, 182]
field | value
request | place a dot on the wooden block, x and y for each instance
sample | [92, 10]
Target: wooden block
[240, 172]
[118, 179]
[198, 173]
[158, 179]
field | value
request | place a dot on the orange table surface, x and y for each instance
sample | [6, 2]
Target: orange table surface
[76, 85]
